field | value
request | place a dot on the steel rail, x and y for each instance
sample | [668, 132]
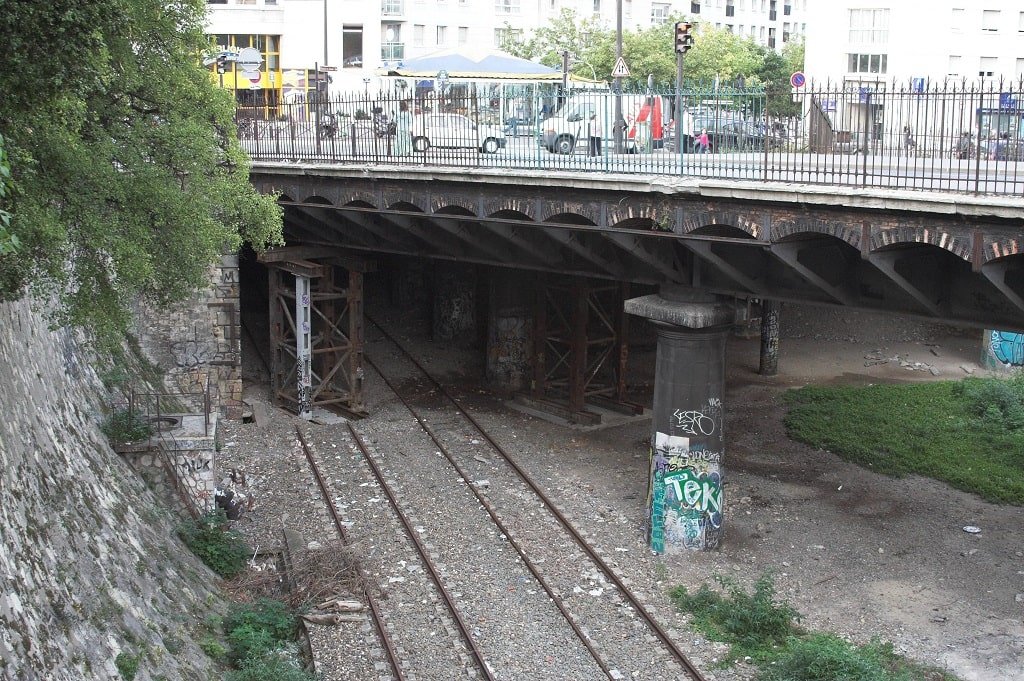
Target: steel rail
[389, 646]
[424, 554]
[496, 519]
[678, 654]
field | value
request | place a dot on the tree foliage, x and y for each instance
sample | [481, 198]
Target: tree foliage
[717, 55]
[126, 176]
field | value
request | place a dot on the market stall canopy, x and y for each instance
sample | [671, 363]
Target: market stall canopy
[474, 65]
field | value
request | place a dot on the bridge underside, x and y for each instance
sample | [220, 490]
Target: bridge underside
[916, 278]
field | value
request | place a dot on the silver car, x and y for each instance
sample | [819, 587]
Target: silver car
[454, 131]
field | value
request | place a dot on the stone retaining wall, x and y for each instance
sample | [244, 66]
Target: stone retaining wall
[89, 562]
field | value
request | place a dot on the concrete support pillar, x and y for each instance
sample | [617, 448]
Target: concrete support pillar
[509, 331]
[685, 505]
[1002, 350]
[407, 283]
[454, 318]
[769, 338]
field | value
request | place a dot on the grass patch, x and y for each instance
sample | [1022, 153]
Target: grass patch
[766, 630]
[223, 550]
[969, 434]
[125, 425]
[127, 665]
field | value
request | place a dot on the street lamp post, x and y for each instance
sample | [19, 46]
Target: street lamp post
[618, 80]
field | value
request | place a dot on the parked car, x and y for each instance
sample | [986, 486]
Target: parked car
[455, 131]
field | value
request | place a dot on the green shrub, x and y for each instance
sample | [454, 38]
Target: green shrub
[269, 668]
[825, 657]
[126, 426]
[753, 624]
[127, 665]
[999, 401]
[223, 550]
[255, 630]
[213, 648]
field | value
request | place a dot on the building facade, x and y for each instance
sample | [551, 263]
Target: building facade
[355, 38]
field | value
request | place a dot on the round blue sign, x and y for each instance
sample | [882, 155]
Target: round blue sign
[797, 79]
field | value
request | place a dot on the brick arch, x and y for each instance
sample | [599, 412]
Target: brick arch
[400, 195]
[589, 211]
[919, 234]
[693, 221]
[624, 211]
[438, 203]
[514, 204]
[318, 199]
[843, 231]
[360, 196]
[1001, 248]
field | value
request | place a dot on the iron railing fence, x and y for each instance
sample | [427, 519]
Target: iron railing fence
[948, 136]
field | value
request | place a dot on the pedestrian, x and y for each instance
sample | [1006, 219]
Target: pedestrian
[702, 142]
[403, 130]
[595, 134]
[908, 141]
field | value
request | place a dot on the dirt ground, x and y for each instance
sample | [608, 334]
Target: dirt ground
[858, 553]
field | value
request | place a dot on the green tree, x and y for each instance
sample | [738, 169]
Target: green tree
[126, 176]
[546, 43]
[718, 53]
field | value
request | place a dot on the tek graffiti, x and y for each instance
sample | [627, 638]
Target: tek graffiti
[687, 509]
[1008, 347]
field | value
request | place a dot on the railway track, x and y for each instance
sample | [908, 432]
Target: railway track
[502, 565]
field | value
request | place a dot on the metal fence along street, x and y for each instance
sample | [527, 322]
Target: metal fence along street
[950, 136]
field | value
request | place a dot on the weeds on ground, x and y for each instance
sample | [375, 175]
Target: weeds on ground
[757, 626]
[753, 625]
[261, 642]
[223, 550]
[928, 429]
[125, 425]
[127, 665]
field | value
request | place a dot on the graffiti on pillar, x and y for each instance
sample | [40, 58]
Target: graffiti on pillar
[686, 490]
[1007, 347]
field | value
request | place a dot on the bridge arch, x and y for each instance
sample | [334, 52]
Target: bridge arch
[698, 221]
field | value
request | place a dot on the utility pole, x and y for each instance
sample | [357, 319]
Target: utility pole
[618, 80]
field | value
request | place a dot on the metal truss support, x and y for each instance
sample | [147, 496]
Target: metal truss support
[316, 333]
[580, 348]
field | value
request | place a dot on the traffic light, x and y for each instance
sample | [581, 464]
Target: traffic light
[684, 36]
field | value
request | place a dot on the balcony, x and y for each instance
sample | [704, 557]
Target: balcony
[392, 8]
[392, 51]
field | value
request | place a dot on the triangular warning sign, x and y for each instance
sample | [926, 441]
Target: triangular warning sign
[620, 70]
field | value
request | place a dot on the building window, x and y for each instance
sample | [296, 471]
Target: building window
[987, 67]
[627, 9]
[787, 9]
[954, 66]
[418, 31]
[990, 20]
[958, 19]
[730, 10]
[1020, 68]
[352, 46]
[503, 35]
[867, 63]
[463, 35]
[597, 6]
[442, 35]
[694, 8]
[771, 38]
[659, 13]
[506, 6]
[1020, 22]
[392, 8]
[869, 26]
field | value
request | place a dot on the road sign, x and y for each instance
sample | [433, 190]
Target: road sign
[797, 79]
[249, 59]
[620, 70]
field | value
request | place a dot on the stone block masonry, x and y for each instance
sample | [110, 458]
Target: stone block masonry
[89, 563]
[198, 341]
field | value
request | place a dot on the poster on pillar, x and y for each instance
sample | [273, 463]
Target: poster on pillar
[686, 481]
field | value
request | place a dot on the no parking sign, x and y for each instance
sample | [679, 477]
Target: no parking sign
[797, 79]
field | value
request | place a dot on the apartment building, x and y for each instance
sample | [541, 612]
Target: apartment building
[905, 39]
[354, 38]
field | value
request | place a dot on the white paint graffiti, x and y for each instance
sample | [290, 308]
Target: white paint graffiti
[693, 422]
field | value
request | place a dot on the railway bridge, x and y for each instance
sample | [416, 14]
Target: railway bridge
[556, 261]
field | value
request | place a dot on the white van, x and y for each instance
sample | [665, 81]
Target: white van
[572, 125]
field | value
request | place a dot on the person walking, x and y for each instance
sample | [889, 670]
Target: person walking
[403, 130]
[702, 142]
[595, 134]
